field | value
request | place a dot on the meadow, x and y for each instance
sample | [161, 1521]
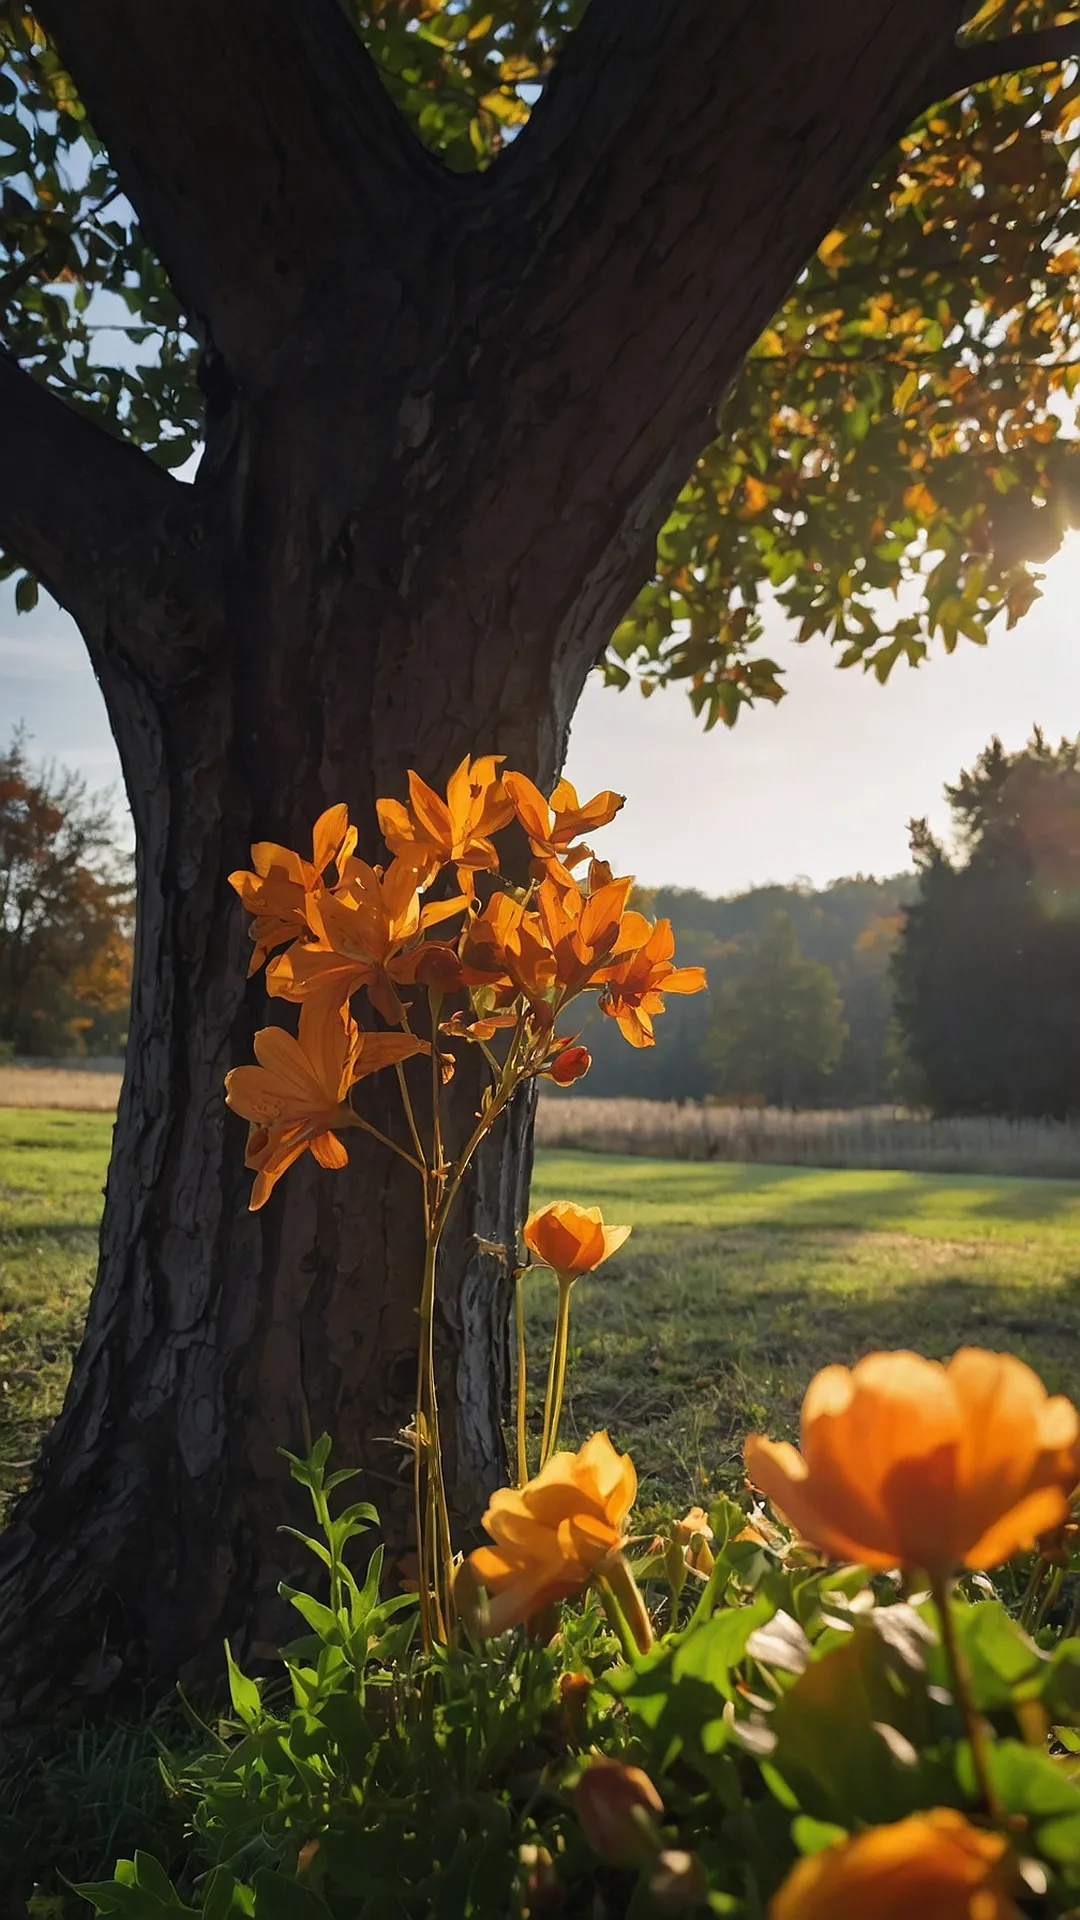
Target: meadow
[820, 1137]
[738, 1282]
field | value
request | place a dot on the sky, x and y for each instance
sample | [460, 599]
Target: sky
[819, 787]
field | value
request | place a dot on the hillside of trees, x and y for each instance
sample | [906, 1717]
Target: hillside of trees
[849, 927]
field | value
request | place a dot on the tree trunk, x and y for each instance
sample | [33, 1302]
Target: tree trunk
[432, 484]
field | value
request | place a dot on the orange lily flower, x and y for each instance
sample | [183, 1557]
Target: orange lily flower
[553, 825]
[504, 948]
[934, 1863]
[295, 1097]
[582, 931]
[554, 1534]
[431, 832]
[277, 891]
[571, 1240]
[368, 933]
[908, 1463]
[635, 986]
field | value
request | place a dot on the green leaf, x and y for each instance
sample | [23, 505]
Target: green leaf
[243, 1692]
[1033, 1787]
[277, 1898]
[851, 1733]
[26, 593]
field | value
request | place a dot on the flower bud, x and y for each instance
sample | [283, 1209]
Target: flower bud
[693, 1534]
[574, 1691]
[571, 1064]
[617, 1807]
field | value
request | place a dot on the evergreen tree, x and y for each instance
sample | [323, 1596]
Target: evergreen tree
[987, 965]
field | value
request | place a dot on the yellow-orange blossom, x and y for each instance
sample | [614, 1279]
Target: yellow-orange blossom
[934, 1865]
[906, 1462]
[571, 1240]
[552, 1535]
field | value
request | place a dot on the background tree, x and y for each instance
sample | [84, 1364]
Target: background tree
[778, 1028]
[65, 904]
[989, 957]
[448, 389]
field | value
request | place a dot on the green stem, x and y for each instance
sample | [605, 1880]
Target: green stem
[973, 1725]
[557, 1370]
[522, 1436]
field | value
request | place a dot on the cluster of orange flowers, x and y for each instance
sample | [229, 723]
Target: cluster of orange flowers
[905, 1463]
[331, 927]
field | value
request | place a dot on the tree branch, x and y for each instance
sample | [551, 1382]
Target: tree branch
[73, 498]
[265, 160]
[981, 60]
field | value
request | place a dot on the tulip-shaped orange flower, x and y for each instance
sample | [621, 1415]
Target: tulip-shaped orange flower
[431, 832]
[935, 1864]
[636, 985]
[278, 889]
[552, 1535]
[295, 1097]
[553, 825]
[367, 934]
[571, 1240]
[906, 1462]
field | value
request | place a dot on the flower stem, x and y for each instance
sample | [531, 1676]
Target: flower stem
[624, 1606]
[519, 1320]
[557, 1370]
[973, 1724]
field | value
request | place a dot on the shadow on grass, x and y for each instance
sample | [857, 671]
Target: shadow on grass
[698, 1338]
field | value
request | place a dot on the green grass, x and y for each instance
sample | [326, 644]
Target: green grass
[52, 1170]
[738, 1283]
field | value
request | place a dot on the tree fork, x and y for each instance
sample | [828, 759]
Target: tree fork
[436, 483]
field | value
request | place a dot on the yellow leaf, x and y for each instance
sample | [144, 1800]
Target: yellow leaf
[770, 345]
[831, 251]
[757, 493]
[1068, 261]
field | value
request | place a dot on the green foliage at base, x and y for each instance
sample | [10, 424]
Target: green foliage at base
[785, 1704]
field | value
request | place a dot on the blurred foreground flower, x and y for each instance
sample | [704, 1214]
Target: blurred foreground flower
[906, 1462]
[571, 1240]
[934, 1866]
[552, 1535]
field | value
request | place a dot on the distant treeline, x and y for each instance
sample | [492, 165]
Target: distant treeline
[849, 928]
[956, 987]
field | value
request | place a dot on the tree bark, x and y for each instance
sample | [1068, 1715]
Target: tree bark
[432, 483]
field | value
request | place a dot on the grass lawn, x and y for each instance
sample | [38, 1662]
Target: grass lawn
[52, 1171]
[738, 1283]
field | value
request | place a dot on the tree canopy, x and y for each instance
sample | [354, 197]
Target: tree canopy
[65, 909]
[900, 452]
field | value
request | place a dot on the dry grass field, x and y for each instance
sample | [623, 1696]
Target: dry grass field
[74, 1089]
[870, 1137]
